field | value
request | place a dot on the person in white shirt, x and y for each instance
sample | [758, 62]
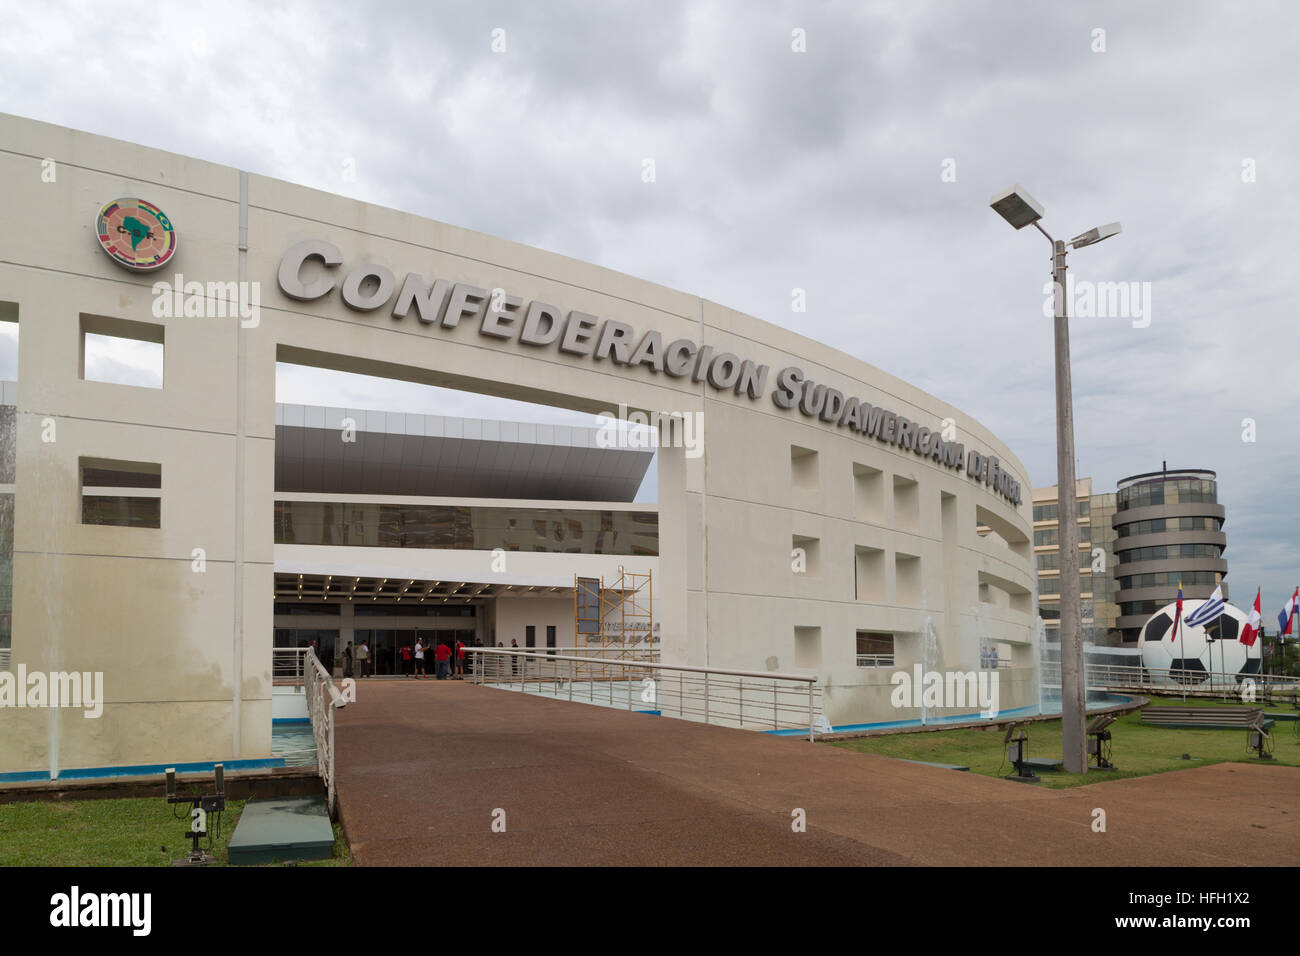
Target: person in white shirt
[419, 658]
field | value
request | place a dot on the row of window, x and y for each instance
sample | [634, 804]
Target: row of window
[1052, 512]
[1053, 585]
[1140, 607]
[1173, 491]
[1047, 536]
[1157, 525]
[1163, 552]
[1169, 579]
[371, 524]
[1051, 560]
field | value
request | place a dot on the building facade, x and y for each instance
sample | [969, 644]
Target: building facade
[826, 524]
[1097, 582]
[1168, 529]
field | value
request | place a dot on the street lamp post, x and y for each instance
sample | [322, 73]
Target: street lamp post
[1020, 209]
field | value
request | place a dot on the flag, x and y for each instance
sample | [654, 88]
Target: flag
[1208, 611]
[1178, 612]
[1251, 630]
[1288, 614]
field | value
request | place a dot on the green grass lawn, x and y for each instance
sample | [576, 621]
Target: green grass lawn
[1137, 749]
[137, 832]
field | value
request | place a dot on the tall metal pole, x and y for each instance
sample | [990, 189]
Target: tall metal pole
[1073, 706]
[1182, 649]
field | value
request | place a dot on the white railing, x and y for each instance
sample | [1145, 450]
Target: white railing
[875, 660]
[735, 698]
[323, 698]
[1175, 680]
[288, 665]
[531, 663]
[4, 658]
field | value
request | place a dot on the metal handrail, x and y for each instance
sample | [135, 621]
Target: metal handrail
[700, 691]
[1139, 675]
[323, 698]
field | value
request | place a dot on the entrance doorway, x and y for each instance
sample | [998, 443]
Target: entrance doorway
[386, 645]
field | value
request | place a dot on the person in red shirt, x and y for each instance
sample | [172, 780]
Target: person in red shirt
[442, 655]
[460, 660]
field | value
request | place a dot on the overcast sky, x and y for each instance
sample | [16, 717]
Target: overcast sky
[858, 169]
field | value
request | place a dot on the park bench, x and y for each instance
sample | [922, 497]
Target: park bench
[943, 766]
[1045, 764]
[1205, 718]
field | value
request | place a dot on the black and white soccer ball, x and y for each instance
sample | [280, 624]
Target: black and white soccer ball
[1193, 650]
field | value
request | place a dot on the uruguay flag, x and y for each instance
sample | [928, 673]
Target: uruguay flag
[1208, 611]
[1288, 614]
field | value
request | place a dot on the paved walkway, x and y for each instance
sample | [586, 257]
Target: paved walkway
[422, 765]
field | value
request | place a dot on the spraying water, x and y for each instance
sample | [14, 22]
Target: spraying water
[929, 658]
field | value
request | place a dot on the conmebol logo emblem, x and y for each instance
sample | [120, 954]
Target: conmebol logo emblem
[136, 234]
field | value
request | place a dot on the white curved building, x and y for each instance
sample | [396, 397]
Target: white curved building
[834, 520]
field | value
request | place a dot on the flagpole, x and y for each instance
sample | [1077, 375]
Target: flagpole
[1182, 650]
[1222, 662]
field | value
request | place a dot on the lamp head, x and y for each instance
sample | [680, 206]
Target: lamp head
[1017, 207]
[1094, 236]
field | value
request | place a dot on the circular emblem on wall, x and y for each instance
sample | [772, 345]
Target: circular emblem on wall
[136, 234]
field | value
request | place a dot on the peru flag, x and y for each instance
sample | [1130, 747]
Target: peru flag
[1288, 614]
[1178, 613]
[1251, 630]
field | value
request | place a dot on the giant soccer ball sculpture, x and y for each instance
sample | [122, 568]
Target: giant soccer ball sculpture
[1163, 650]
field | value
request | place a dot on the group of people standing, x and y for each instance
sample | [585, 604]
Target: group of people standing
[443, 655]
[448, 660]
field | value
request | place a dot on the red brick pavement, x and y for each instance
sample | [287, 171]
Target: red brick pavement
[423, 765]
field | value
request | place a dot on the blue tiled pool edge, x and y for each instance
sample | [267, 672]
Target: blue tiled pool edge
[139, 770]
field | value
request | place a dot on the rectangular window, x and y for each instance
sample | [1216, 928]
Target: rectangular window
[530, 636]
[907, 579]
[868, 493]
[907, 504]
[121, 352]
[122, 493]
[807, 646]
[875, 649]
[803, 468]
[805, 555]
[869, 574]
[550, 638]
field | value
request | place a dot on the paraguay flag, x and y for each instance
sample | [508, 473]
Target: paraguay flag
[1178, 612]
[1208, 611]
[1288, 614]
[1251, 630]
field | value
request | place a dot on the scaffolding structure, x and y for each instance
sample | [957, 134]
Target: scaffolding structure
[619, 617]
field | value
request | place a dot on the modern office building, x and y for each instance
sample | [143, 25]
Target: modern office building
[1097, 583]
[826, 523]
[1135, 545]
[1168, 529]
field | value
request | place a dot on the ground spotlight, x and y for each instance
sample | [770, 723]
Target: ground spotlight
[1099, 741]
[1016, 742]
